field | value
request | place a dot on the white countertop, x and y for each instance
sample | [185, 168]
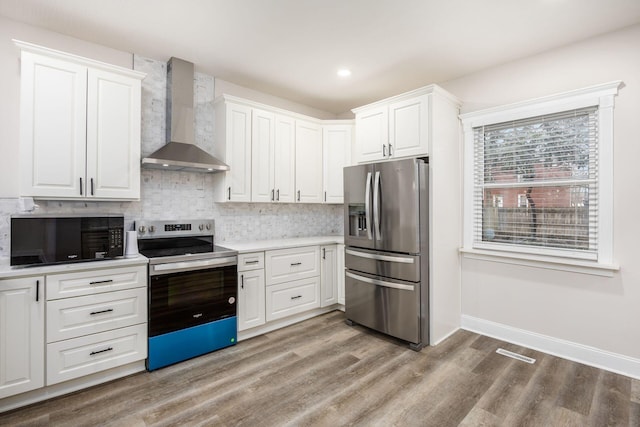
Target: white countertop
[6, 271]
[265, 245]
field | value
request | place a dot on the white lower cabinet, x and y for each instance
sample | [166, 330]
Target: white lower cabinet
[285, 299]
[340, 269]
[21, 335]
[251, 298]
[329, 275]
[77, 357]
[96, 320]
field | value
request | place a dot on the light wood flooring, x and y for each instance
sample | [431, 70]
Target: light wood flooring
[322, 372]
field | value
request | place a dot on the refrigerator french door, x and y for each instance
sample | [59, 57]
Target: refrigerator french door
[386, 259]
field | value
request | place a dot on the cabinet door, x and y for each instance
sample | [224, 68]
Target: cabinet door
[251, 299]
[238, 142]
[372, 129]
[285, 161]
[21, 335]
[408, 127]
[52, 127]
[113, 135]
[262, 155]
[336, 146]
[340, 264]
[329, 276]
[308, 162]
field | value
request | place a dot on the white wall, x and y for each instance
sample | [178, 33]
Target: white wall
[598, 312]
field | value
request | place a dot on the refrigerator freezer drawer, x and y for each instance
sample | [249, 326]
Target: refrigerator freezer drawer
[388, 306]
[398, 266]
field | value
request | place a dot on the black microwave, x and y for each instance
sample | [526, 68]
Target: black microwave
[45, 239]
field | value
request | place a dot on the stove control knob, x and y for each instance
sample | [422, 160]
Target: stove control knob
[208, 226]
[201, 227]
[152, 228]
[142, 229]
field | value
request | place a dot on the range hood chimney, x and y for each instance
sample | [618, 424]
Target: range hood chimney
[180, 153]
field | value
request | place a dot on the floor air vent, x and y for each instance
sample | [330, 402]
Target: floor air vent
[517, 356]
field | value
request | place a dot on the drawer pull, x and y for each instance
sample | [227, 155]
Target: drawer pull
[93, 353]
[293, 264]
[101, 281]
[251, 262]
[296, 297]
[108, 310]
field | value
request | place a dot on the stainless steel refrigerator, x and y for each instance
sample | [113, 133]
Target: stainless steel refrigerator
[386, 223]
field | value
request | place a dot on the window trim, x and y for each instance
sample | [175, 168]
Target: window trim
[602, 96]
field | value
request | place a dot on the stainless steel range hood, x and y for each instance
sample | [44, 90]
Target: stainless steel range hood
[180, 153]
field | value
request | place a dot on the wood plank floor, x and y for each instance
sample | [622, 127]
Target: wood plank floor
[322, 372]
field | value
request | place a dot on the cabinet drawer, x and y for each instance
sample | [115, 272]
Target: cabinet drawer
[290, 298]
[94, 353]
[252, 261]
[96, 281]
[75, 317]
[285, 265]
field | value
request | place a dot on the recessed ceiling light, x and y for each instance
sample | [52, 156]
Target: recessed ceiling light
[344, 72]
[165, 165]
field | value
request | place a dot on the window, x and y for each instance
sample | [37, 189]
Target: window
[538, 176]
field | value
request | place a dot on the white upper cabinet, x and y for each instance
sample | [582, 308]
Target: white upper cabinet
[272, 157]
[308, 162]
[398, 127]
[113, 135]
[233, 146]
[408, 127]
[372, 128]
[284, 159]
[262, 156]
[336, 147]
[80, 127]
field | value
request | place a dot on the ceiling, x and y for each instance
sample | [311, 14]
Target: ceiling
[293, 48]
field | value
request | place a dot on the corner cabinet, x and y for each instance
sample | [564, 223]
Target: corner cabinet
[80, 127]
[308, 162]
[21, 335]
[399, 127]
[336, 154]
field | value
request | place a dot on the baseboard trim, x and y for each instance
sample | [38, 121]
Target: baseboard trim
[576, 352]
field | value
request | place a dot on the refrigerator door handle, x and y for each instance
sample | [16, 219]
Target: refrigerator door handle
[376, 205]
[367, 206]
[377, 257]
[379, 282]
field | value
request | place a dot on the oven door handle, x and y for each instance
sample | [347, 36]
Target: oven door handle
[193, 265]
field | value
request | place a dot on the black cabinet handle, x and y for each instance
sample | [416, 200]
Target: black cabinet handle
[298, 195]
[272, 195]
[242, 281]
[252, 262]
[325, 196]
[278, 195]
[293, 264]
[389, 150]
[81, 186]
[108, 310]
[37, 290]
[101, 281]
[296, 297]
[229, 196]
[384, 150]
[324, 253]
[92, 186]
[93, 353]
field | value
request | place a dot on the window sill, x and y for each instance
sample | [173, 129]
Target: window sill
[562, 264]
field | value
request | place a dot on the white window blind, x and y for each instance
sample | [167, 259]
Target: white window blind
[535, 184]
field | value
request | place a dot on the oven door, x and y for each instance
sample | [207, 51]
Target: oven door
[191, 293]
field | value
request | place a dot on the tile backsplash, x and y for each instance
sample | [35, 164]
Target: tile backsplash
[186, 195]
